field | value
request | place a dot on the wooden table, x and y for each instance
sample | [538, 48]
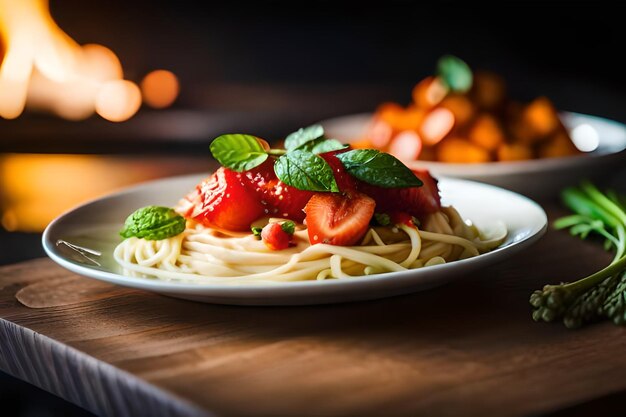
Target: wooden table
[466, 348]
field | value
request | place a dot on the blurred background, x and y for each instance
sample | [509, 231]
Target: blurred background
[159, 80]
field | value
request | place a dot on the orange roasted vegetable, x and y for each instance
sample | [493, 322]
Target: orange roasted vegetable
[486, 132]
[406, 146]
[461, 107]
[459, 150]
[451, 124]
[514, 152]
[541, 117]
[558, 145]
[429, 92]
[436, 125]
[488, 91]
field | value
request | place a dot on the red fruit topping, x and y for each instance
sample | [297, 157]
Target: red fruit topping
[222, 201]
[275, 237]
[338, 219]
[431, 197]
[416, 201]
[258, 177]
[345, 181]
[278, 198]
[286, 201]
[400, 217]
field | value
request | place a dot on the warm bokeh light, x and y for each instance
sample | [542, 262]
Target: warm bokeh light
[100, 63]
[35, 188]
[118, 100]
[160, 88]
[42, 68]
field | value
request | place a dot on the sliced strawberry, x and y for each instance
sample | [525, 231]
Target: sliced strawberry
[345, 181]
[278, 198]
[222, 201]
[431, 197]
[416, 201]
[286, 201]
[400, 217]
[258, 177]
[338, 219]
[275, 237]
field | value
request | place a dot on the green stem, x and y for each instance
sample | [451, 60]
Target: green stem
[580, 203]
[619, 242]
[569, 221]
[596, 278]
[619, 200]
[604, 202]
[277, 152]
[620, 248]
[577, 219]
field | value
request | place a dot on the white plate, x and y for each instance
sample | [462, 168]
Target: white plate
[95, 225]
[535, 178]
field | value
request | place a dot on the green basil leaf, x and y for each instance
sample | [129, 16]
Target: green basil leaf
[455, 73]
[238, 152]
[305, 171]
[378, 168]
[321, 145]
[288, 227]
[303, 135]
[308, 146]
[327, 145]
[256, 231]
[153, 223]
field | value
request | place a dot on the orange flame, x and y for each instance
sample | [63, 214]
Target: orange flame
[44, 69]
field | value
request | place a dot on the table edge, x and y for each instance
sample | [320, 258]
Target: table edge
[82, 379]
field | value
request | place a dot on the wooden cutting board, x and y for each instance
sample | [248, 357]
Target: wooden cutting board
[466, 348]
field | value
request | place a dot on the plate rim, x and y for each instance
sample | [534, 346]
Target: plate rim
[283, 288]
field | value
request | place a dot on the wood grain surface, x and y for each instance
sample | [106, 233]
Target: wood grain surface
[466, 348]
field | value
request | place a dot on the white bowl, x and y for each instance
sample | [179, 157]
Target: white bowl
[536, 178]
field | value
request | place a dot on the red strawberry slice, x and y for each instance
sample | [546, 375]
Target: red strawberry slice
[222, 201]
[278, 198]
[338, 219]
[416, 201]
[286, 201]
[431, 197]
[258, 177]
[345, 181]
[400, 217]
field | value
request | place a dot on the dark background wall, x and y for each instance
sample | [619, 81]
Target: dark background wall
[570, 51]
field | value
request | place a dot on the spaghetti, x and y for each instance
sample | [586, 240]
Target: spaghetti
[205, 255]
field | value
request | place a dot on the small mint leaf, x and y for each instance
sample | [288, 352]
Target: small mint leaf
[321, 145]
[288, 227]
[305, 171]
[238, 152]
[455, 73]
[378, 168]
[303, 135]
[328, 145]
[256, 231]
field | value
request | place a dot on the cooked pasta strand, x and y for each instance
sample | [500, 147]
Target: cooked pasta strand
[207, 256]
